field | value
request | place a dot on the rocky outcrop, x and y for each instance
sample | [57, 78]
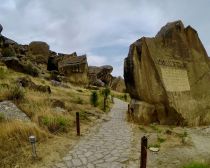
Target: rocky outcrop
[27, 83]
[10, 111]
[168, 77]
[39, 51]
[100, 76]
[118, 84]
[73, 67]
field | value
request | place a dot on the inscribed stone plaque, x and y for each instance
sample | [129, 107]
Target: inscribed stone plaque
[175, 80]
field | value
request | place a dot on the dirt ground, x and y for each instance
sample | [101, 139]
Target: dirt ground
[177, 145]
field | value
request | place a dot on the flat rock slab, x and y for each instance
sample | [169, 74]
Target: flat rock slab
[11, 112]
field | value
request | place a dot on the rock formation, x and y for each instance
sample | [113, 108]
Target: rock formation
[100, 76]
[73, 67]
[39, 52]
[168, 77]
[118, 84]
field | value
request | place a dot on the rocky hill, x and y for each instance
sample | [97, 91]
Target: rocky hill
[37, 59]
[168, 77]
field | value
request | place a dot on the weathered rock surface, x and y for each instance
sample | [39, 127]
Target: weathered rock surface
[118, 84]
[73, 67]
[39, 51]
[171, 73]
[11, 112]
[100, 76]
[27, 83]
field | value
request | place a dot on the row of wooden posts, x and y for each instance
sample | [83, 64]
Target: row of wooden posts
[144, 142]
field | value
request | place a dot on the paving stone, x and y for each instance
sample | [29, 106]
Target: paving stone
[106, 146]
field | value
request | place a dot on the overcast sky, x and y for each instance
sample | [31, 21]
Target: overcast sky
[102, 29]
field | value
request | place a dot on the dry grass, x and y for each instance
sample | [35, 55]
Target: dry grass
[14, 141]
[38, 106]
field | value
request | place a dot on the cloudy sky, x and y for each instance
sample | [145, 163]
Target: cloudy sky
[102, 29]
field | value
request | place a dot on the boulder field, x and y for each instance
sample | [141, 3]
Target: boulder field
[37, 59]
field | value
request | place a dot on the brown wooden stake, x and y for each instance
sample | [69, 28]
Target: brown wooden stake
[143, 152]
[78, 123]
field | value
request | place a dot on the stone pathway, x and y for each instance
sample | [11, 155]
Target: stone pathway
[109, 146]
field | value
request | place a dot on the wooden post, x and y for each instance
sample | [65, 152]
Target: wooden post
[77, 123]
[143, 152]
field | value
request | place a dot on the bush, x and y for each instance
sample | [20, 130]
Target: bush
[16, 93]
[8, 52]
[94, 98]
[106, 92]
[196, 165]
[56, 124]
[31, 70]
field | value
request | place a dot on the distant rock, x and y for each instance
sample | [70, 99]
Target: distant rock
[118, 84]
[39, 51]
[73, 67]
[100, 76]
[168, 77]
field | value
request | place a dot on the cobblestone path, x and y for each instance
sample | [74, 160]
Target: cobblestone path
[109, 146]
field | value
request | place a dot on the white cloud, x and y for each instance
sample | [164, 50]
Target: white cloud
[85, 25]
[96, 60]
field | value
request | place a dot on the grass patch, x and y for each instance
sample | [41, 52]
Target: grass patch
[142, 128]
[156, 145]
[161, 140]
[155, 128]
[196, 165]
[79, 101]
[55, 124]
[14, 141]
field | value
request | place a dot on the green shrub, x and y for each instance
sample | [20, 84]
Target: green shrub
[94, 98]
[196, 165]
[16, 93]
[106, 92]
[8, 52]
[31, 70]
[56, 124]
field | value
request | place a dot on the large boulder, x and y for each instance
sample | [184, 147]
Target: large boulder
[171, 72]
[74, 68]
[100, 76]
[39, 52]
